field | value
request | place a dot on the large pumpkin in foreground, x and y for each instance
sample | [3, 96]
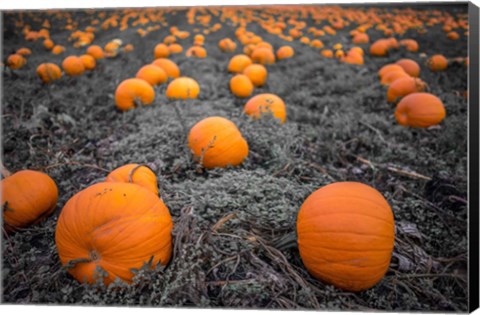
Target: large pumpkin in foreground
[113, 226]
[134, 173]
[28, 197]
[346, 235]
[217, 142]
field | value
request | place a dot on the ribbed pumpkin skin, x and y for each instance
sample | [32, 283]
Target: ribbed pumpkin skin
[116, 226]
[142, 176]
[30, 196]
[220, 140]
[346, 235]
[183, 88]
[404, 86]
[420, 110]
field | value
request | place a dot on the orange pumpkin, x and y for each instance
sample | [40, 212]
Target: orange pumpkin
[196, 51]
[175, 48]
[360, 38]
[346, 234]
[88, 62]
[327, 53]
[168, 66]
[133, 92]
[134, 173]
[263, 55]
[227, 45]
[266, 103]
[16, 61]
[48, 44]
[96, 52]
[153, 74]
[285, 52]
[115, 226]
[379, 48]
[183, 88]
[404, 86]
[48, 72]
[241, 86]
[437, 63]
[391, 76]
[58, 49]
[217, 142]
[24, 51]
[409, 44]
[73, 66]
[256, 73]
[238, 63]
[389, 68]
[28, 197]
[420, 110]
[453, 35]
[161, 51]
[410, 67]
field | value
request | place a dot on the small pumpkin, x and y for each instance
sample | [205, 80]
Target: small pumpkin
[196, 51]
[238, 63]
[134, 173]
[327, 53]
[168, 66]
[58, 49]
[73, 66]
[28, 197]
[48, 44]
[391, 76]
[266, 103]
[361, 38]
[116, 227]
[161, 51]
[227, 45]
[420, 110]
[263, 55]
[48, 72]
[388, 68]
[346, 234]
[133, 92]
[285, 52]
[96, 52]
[241, 86]
[409, 44]
[404, 86]
[153, 74]
[379, 48]
[24, 51]
[175, 48]
[256, 73]
[88, 62]
[410, 67]
[437, 63]
[183, 88]
[217, 142]
[16, 61]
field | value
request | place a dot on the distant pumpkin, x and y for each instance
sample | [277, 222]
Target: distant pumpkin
[88, 62]
[175, 48]
[217, 142]
[437, 63]
[241, 86]
[391, 76]
[28, 197]
[73, 66]
[58, 49]
[16, 61]
[96, 52]
[263, 55]
[285, 52]
[161, 51]
[266, 103]
[48, 72]
[256, 73]
[48, 44]
[24, 51]
[410, 67]
[420, 110]
[153, 74]
[197, 52]
[133, 92]
[183, 88]
[404, 86]
[238, 63]
[168, 66]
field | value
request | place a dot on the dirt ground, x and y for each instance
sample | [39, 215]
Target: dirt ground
[339, 127]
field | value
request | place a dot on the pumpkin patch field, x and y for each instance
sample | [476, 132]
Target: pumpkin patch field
[267, 157]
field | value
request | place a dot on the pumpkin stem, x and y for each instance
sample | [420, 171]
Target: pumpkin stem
[130, 175]
[286, 242]
[4, 171]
